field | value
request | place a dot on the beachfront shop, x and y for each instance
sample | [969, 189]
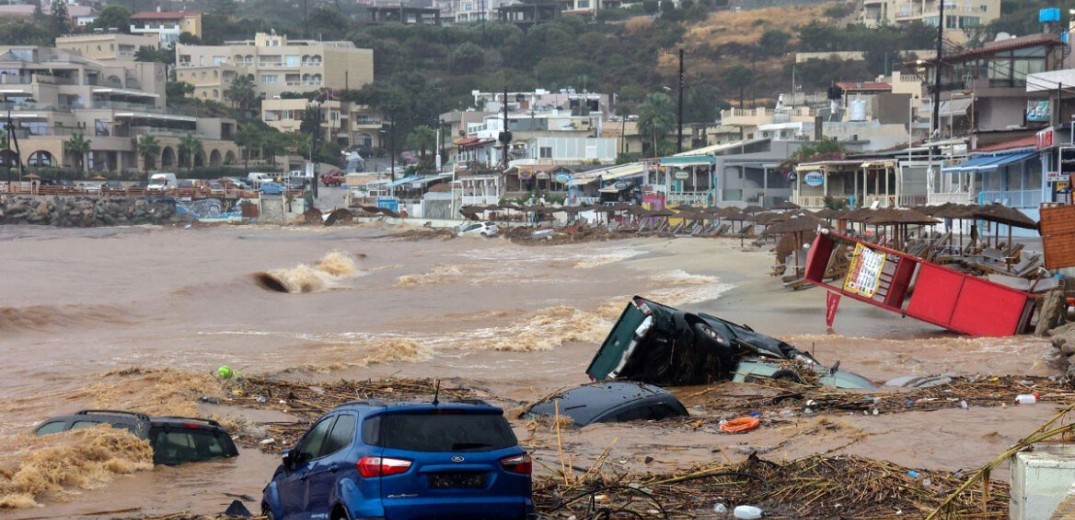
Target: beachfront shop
[853, 183]
[686, 179]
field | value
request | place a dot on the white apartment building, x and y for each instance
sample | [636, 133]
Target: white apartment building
[958, 14]
[275, 63]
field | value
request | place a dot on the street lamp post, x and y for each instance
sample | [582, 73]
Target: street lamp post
[313, 144]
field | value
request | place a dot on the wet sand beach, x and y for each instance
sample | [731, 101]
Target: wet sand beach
[80, 308]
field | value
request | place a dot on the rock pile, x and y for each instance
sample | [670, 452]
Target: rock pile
[84, 211]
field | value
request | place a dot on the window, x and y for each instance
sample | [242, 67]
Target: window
[310, 446]
[545, 152]
[292, 60]
[342, 435]
[268, 79]
[439, 432]
[219, 60]
[50, 427]
[188, 445]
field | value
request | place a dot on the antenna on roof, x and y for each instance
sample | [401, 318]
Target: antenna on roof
[436, 394]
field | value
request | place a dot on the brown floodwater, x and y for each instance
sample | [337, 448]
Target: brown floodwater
[78, 306]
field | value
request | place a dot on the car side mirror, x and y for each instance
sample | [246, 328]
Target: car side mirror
[287, 458]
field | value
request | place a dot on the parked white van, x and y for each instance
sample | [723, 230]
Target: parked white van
[162, 182]
[256, 178]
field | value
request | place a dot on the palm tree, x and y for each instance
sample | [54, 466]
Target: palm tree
[242, 93]
[656, 118]
[739, 76]
[148, 148]
[189, 148]
[422, 138]
[78, 146]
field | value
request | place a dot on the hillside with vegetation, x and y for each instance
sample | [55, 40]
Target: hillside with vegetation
[731, 57]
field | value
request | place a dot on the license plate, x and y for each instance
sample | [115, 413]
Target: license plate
[457, 480]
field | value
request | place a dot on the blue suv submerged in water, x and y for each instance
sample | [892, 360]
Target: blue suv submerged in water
[378, 460]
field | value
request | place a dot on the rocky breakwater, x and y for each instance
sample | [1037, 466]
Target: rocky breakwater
[84, 211]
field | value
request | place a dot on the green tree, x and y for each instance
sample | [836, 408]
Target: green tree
[774, 42]
[21, 33]
[189, 147]
[467, 58]
[650, 7]
[423, 139]
[148, 149]
[242, 94]
[112, 17]
[78, 146]
[176, 92]
[739, 77]
[58, 20]
[656, 118]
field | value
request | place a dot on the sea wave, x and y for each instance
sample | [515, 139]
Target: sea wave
[324, 275]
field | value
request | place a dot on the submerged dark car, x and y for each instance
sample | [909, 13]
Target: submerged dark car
[661, 345]
[175, 440]
[611, 401]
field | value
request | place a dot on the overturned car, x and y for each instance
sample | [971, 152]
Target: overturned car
[660, 345]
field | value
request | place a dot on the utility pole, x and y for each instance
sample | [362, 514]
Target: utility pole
[679, 135]
[505, 135]
[937, 74]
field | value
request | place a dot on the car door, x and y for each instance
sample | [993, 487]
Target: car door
[292, 488]
[330, 466]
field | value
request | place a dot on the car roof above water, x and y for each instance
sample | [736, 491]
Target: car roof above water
[589, 403]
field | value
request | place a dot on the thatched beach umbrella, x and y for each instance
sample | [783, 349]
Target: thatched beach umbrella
[900, 218]
[796, 225]
[1001, 214]
[786, 205]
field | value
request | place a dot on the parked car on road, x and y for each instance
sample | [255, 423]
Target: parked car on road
[661, 345]
[175, 440]
[374, 459]
[486, 229]
[112, 187]
[333, 178]
[612, 401]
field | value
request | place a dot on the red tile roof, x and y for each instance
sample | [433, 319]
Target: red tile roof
[1023, 142]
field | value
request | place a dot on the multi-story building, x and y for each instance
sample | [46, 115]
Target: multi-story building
[958, 14]
[52, 94]
[167, 25]
[110, 46]
[275, 64]
[348, 124]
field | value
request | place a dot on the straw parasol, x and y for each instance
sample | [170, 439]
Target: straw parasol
[1002, 214]
[33, 176]
[796, 225]
[787, 205]
[900, 217]
[98, 178]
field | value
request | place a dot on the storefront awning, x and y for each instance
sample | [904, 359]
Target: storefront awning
[989, 162]
[955, 107]
[620, 172]
[689, 160]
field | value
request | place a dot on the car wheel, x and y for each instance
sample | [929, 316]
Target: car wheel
[787, 375]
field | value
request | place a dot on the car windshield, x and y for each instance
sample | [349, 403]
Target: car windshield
[449, 430]
[173, 446]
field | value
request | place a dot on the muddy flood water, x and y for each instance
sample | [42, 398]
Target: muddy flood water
[80, 308]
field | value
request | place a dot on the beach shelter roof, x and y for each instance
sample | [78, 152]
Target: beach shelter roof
[798, 223]
[1002, 214]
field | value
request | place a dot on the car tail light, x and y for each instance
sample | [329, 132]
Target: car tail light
[518, 464]
[370, 467]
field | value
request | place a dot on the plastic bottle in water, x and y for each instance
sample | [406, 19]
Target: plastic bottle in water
[747, 512]
[1027, 398]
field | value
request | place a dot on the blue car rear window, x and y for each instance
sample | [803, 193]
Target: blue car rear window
[439, 432]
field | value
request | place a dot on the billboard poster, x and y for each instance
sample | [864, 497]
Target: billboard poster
[1037, 111]
[864, 275]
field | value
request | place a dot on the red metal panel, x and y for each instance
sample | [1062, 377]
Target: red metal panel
[935, 294]
[985, 309]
